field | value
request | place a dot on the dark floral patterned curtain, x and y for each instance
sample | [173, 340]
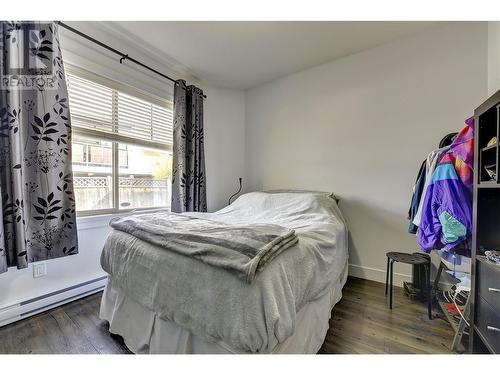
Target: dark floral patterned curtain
[188, 181]
[37, 207]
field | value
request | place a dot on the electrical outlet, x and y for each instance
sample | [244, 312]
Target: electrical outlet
[39, 269]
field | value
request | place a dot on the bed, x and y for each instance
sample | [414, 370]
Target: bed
[161, 301]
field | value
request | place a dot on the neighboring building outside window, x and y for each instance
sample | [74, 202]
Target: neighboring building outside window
[121, 146]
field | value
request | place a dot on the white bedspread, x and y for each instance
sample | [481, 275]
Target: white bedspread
[215, 304]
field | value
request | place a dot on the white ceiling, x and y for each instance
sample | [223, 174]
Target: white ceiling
[242, 55]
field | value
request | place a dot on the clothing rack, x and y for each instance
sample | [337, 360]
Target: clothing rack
[460, 326]
[123, 56]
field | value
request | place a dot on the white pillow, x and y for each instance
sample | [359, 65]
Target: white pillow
[331, 195]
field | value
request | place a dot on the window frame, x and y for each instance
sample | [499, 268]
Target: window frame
[116, 138]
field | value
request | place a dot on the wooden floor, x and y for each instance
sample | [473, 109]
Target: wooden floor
[361, 323]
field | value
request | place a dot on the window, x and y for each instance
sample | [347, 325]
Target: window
[122, 145]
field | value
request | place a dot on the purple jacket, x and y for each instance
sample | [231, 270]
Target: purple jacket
[447, 211]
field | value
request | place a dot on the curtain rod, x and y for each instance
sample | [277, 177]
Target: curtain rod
[124, 56]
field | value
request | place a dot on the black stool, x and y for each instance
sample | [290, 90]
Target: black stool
[409, 259]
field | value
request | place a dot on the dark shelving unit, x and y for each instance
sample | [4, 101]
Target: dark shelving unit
[485, 291]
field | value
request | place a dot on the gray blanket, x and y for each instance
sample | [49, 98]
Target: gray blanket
[241, 249]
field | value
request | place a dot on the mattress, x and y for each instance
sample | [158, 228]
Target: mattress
[144, 332]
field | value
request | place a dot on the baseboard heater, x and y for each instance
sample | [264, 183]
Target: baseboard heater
[18, 311]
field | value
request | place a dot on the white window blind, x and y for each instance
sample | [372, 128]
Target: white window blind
[100, 107]
[91, 104]
[139, 119]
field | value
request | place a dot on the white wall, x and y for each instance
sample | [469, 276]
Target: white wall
[19, 285]
[360, 126]
[493, 57]
[224, 153]
[224, 144]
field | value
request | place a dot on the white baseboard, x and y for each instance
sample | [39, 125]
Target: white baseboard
[18, 311]
[375, 274]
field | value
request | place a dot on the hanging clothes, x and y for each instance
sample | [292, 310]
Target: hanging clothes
[446, 222]
[431, 162]
[461, 154]
[418, 189]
